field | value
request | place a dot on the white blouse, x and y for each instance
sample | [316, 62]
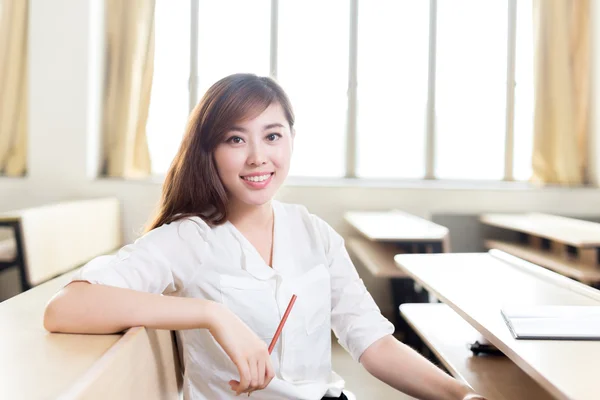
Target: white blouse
[188, 258]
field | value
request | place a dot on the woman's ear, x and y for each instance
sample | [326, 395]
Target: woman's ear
[293, 131]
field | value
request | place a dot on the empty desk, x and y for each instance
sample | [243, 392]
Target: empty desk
[477, 285]
[385, 234]
[398, 227]
[447, 335]
[565, 245]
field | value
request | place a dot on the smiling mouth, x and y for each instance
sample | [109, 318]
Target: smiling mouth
[258, 178]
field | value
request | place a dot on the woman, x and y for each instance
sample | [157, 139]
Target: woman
[228, 258]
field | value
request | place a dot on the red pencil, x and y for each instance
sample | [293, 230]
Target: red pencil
[280, 327]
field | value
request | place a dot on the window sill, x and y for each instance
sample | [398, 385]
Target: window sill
[417, 184]
[432, 184]
[13, 178]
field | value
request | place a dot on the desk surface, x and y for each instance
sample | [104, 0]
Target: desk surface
[478, 285]
[40, 365]
[574, 232]
[395, 226]
[583, 272]
[495, 377]
[377, 257]
[36, 364]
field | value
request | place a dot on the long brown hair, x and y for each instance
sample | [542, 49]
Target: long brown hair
[192, 186]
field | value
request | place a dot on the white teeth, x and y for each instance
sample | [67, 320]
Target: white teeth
[260, 178]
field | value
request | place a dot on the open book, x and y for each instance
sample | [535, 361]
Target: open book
[553, 322]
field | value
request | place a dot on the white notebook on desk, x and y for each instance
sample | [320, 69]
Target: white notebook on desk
[553, 322]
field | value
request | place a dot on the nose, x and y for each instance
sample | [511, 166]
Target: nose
[257, 155]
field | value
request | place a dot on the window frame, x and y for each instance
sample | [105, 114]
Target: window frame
[351, 152]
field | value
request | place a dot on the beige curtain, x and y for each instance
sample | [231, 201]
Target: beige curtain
[13, 87]
[562, 94]
[129, 70]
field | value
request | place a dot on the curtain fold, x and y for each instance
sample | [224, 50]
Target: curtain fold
[13, 87]
[562, 91]
[128, 85]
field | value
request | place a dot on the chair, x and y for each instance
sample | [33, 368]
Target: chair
[51, 239]
[349, 395]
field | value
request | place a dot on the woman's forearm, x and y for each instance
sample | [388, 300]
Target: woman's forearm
[404, 369]
[82, 307]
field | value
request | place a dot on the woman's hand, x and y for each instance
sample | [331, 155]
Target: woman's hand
[473, 396]
[249, 354]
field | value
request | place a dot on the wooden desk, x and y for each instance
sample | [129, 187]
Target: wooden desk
[40, 365]
[385, 234]
[477, 285]
[495, 377]
[569, 231]
[378, 258]
[399, 227]
[584, 273]
[565, 245]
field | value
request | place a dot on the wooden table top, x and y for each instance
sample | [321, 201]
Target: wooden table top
[571, 231]
[478, 285]
[395, 226]
[35, 363]
[447, 335]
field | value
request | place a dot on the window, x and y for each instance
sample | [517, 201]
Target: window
[232, 41]
[470, 83]
[389, 89]
[169, 107]
[312, 67]
[392, 88]
[523, 107]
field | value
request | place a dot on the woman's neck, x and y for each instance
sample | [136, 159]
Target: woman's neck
[247, 216]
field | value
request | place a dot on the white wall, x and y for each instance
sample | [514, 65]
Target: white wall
[65, 67]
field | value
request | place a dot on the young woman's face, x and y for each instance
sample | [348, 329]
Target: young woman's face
[253, 159]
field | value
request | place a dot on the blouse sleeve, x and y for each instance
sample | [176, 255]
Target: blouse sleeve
[355, 318]
[161, 261]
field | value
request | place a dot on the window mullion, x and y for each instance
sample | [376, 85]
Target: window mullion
[430, 114]
[351, 142]
[274, 38]
[509, 144]
[193, 79]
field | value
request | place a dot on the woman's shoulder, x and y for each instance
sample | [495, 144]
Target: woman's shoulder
[301, 214]
[189, 227]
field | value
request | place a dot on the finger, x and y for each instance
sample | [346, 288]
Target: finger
[253, 375]
[269, 372]
[234, 385]
[245, 377]
[261, 374]
[234, 388]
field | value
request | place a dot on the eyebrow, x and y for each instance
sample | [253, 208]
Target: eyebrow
[266, 127]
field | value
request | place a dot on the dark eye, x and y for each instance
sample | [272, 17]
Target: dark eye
[273, 137]
[235, 140]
